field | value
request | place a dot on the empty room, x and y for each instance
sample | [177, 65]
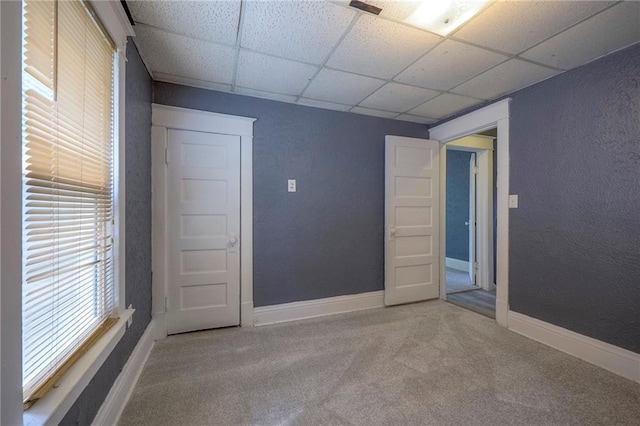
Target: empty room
[319, 212]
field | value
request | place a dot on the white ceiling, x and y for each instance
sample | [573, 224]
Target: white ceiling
[325, 54]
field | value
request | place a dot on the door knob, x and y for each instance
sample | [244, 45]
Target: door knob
[233, 240]
[466, 223]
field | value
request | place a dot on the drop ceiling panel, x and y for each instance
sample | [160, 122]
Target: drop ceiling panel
[504, 78]
[180, 56]
[323, 104]
[284, 43]
[185, 81]
[305, 31]
[265, 95]
[610, 30]
[415, 119]
[449, 64]
[215, 21]
[398, 97]
[380, 48]
[395, 9]
[266, 73]
[373, 112]
[341, 87]
[515, 26]
[444, 105]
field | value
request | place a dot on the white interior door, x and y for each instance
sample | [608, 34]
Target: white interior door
[412, 220]
[204, 231]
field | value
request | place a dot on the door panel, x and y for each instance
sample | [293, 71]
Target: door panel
[204, 231]
[411, 220]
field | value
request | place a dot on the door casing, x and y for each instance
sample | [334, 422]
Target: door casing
[494, 115]
[163, 118]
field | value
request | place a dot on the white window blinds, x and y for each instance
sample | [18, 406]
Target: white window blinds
[68, 291]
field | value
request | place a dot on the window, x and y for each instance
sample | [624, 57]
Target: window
[68, 295]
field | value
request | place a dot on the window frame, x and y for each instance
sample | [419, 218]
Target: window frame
[52, 408]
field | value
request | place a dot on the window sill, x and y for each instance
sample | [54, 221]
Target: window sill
[51, 409]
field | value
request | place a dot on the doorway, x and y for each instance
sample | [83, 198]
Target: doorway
[203, 194]
[202, 219]
[470, 221]
[496, 116]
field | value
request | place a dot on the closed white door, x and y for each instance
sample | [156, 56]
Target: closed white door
[204, 231]
[412, 220]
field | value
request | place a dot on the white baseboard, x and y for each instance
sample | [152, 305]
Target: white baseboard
[458, 264]
[613, 358]
[120, 392]
[317, 308]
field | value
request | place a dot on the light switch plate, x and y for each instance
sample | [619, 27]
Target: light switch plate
[513, 201]
[291, 185]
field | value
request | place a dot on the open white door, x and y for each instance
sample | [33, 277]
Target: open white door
[412, 220]
[203, 230]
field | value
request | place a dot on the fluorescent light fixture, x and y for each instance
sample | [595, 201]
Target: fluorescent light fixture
[444, 16]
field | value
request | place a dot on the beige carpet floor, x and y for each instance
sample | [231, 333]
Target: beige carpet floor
[431, 363]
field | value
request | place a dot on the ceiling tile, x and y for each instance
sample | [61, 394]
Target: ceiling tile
[169, 78]
[392, 9]
[395, 9]
[514, 26]
[266, 73]
[444, 105]
[374, 112]
[341, 87]
[265, 95]
[380, 48]
[301, 30]
[448, 65]
[504, 78]
[610, 30]
[398, 97]
[208, 20]
[415, 119]
[185, 57]
[322, 104]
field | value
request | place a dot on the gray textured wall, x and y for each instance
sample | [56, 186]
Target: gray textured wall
[326, 239]
[138, 237]
[574, 257]
[458, 204]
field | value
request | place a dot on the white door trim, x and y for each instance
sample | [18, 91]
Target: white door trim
[494, 115]
[164, 118]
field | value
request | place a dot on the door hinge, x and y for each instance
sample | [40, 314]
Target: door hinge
[166, 304]
[476, 265]
[166, 156]
[475, 170]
